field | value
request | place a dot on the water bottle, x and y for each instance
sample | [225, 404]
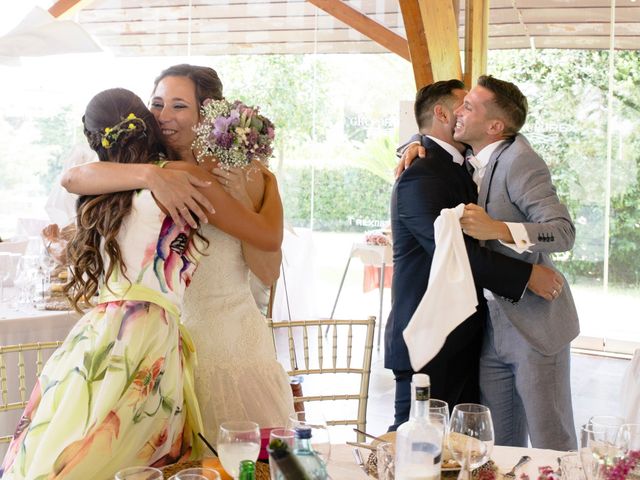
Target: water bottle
[308, 458]
[418, 441]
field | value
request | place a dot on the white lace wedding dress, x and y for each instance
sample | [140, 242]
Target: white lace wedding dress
[238, 376]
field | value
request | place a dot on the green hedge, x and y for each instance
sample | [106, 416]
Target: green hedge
[345, 200]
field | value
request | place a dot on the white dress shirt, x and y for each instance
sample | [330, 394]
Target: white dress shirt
[521, 241]
[456, 156]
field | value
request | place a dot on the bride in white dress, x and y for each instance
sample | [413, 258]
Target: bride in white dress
[238, 376]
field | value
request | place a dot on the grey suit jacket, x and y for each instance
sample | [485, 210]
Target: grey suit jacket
[517, 188]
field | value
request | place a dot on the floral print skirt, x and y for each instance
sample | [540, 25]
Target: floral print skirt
[113, 395]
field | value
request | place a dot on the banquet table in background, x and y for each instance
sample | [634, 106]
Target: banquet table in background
[27, 325]
[378, 272]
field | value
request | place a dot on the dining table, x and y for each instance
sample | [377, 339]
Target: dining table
[342, 464]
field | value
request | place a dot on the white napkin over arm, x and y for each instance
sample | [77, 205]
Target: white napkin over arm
[451, 295]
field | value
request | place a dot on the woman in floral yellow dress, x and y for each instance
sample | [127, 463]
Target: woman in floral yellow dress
[119, 391]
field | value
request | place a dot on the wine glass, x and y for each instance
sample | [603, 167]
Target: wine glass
[197, 473]
[5, 272]
[26, 273]
[470, 436]
[571, 467]
[139, 473]
[439, 406]
[320, 441]
[287, 436]
[598, 449]
[386, 459]
[238, 441]
[628, 438]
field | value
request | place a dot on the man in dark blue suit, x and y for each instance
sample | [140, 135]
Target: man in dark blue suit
[441, 180]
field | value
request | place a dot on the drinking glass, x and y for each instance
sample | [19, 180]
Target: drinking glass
[598, 449]
[5, 272]
[26, 277]
[319, 432]
[470, 437]
[571, 467]
[439, 406]
[287, 436]
[386, 457]
[628, 438]
[197, 473]
[609, 424]
[190, 476]
[238, 441]
[139, 473]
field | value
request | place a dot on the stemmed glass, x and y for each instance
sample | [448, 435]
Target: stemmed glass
[628, 441]
[628, 438]
[26, 273]
[287, 437]
[196, 473]
[598, 450]
[238, 441]
[439, 406]
[319, 432]
[139, 473]
[470, 437]
[5, 272]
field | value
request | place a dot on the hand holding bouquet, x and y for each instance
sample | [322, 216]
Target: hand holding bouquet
[234, 133]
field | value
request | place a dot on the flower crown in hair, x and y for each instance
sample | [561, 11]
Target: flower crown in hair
[129, 124]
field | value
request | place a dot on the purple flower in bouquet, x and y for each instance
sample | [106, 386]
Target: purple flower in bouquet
[221, 124]
[233, 133]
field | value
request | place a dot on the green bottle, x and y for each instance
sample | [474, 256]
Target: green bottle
[247, 470]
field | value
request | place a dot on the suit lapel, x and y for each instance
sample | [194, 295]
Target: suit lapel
[488, 175]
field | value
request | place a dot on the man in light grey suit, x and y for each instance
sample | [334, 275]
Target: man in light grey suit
[524, 365]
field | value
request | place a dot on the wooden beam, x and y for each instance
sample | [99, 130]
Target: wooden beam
[365, 25]
[441, 28]
[476, 40]
[62, 7]
[417, 43]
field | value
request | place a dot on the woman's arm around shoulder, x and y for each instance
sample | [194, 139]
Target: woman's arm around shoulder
[263, 229]
[175, 190]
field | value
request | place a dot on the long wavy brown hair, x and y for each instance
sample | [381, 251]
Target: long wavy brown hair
[118, 137]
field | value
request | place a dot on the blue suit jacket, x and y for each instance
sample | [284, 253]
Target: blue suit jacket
[422, 191]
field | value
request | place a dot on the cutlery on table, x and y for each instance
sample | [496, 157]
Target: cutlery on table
[368, 435]
[362, 445]
[512, 473]
[358, 456]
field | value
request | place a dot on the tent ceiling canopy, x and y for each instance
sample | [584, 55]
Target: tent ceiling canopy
[217, 27]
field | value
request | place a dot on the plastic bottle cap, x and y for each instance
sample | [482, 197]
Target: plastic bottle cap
[303, 432]
[421, 380]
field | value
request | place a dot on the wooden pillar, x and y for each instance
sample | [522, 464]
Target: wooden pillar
[432, 31]
[476, 40]
[417, 43]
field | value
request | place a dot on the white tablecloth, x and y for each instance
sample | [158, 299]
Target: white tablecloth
[343, 466]
[26, 326]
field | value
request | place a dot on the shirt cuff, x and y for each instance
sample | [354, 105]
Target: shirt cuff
[520, 238]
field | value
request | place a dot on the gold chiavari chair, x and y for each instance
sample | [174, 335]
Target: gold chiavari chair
[8, 368]
[311, 354]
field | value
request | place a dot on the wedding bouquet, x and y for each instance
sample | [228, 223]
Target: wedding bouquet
[234, 133]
